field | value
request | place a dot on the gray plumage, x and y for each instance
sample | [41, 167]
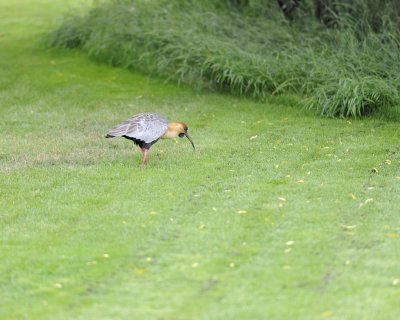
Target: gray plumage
[146, 127]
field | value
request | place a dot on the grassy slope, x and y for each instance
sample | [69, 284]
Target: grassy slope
[87, 234]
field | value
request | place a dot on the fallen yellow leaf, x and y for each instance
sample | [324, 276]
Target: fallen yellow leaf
[140, 271]
[327, 314]
[365, 202]
[350, 227]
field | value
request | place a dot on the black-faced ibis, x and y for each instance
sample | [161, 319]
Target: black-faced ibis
[145, 129]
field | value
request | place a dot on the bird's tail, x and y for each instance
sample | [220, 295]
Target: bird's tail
[109, 136]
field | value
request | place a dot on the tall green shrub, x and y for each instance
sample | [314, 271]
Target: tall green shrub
[341, 71]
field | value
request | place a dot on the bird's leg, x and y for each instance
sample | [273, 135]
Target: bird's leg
[145, 153]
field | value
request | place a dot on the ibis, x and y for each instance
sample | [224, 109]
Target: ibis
[145, 129]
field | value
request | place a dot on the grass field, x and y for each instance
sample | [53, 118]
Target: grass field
[277, 215]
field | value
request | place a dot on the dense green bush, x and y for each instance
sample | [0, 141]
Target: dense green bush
[349, 70]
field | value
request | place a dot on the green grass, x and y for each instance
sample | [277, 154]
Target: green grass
[351, 71]
[87, 234]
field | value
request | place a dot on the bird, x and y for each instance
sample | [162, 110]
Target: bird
[145, 129]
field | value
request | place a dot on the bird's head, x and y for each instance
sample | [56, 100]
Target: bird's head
[178, 129]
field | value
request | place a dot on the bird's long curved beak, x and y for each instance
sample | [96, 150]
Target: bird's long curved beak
[190, 139]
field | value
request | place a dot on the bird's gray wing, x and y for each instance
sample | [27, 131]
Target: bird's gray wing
[143, 126]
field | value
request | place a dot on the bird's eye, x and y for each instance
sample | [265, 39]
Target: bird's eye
[181, 135]
[186, 129]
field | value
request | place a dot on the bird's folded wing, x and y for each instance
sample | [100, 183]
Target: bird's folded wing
[145, 126]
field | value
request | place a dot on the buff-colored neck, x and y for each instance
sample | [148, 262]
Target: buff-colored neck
[174, 129]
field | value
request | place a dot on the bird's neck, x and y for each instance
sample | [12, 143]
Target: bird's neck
[172, 131]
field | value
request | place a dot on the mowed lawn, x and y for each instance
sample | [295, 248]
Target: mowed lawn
[277, 215]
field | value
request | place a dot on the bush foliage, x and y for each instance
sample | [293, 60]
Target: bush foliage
[349, 70]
